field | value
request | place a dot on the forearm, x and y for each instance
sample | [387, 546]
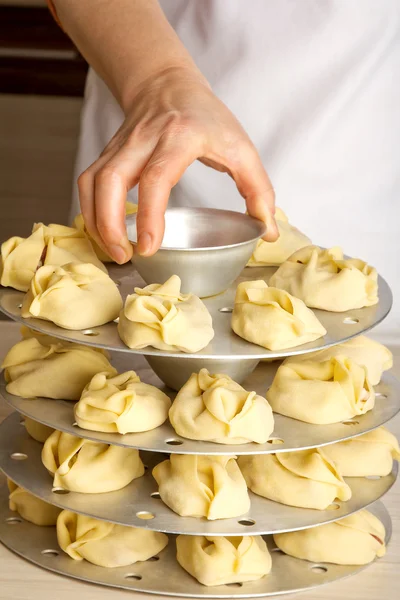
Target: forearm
[125, 41]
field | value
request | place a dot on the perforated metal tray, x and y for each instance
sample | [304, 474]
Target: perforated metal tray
[139, 504]
[163, 575]
[225, 345]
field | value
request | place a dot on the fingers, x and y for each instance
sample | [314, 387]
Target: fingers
[164, 169]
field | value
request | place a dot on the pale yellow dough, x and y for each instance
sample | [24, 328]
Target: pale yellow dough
[307, 478]
[355, 540]
[362, 350]
[269, 254]
[160, 316]
[367, 455]
[223, 560]
[106, 544]
[36, 430]
[20, 258]
[273, 318]
[215, 408]
[121, 404]
[74, 296]
[31, 508]
[321, 392]
[130, 209]
[33, 368]
[89, 467]
[325, 279]
[202, 486]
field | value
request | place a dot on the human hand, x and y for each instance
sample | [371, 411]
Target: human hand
[172, 120]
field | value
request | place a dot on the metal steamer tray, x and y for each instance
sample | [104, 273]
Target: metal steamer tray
[289, 434]
[162, 574]
[139, 503]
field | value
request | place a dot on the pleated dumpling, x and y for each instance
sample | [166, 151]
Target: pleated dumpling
[89, 467]
[355, 540]
[33, 368]
[273, 318]
[269, 254]
[20, 258]
[130, 209]
[306, 478]
[321, 393]
[36, 430]
[106, 544]
[222, 560]
[30, 508]
[362, 350]
[74, 296]
[202, 486]
[160, 316]
[215, 408]
[325, 279]
[122, 404]
[367, 455]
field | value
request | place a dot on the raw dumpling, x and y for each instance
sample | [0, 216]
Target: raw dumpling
[79, 223]
[20, 258]
[89, 467]
[324, 279]
[75, 296]
[367, 455]
[106, 544]
[307, 478]
[222, 560]
[202, 486]
[215, 408]
[33, 368]
[269, 254]
[121, 404]
[355, 540]
[362, 350]
[30, 508]
[321, 393]
[161, 317]
[36, 430]
[273, 318]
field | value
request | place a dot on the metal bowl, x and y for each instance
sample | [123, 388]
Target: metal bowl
[206, 247]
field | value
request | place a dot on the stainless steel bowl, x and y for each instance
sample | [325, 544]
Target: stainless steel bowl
[206, 247]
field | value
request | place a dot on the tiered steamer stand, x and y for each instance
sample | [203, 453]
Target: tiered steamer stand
[139, 504]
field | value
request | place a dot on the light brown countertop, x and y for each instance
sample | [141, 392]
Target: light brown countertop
[20, 580]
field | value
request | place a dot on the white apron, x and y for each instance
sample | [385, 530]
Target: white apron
[316, 84]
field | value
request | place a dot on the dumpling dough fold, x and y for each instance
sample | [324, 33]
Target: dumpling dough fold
[202, 486]
[160, 316]
[30, 508]
[321, 393]
[362, 350]
[273, 318]
[325, 279]
[89, 467]
[306, 478]
[33, 368]
[216, 408]
[106, 544]
[122, 404]
[223, 560]
[269, 254]
[367, 455]
[130, 209]
[74, 296]
[355, 540]
[36, 430]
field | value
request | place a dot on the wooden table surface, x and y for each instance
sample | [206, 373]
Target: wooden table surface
[20, 580]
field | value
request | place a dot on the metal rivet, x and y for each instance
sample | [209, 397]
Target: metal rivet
[155, 495]
[226, 309]
[275, 441]
[133, 576]
[19, 305]
[13, 520]
[116, 320]
[153, 559]
[319, 569]
[174, 442]
[145, 515]
[74, 424]
[90, 332]
[50, 552]
[19, 456]
[351, 321]
[59, 490]
[247, 522]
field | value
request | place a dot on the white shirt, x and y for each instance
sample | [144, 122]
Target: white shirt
[316, 84]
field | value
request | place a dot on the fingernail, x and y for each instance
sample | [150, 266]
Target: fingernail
[272, 228]
[117, 253]
[145, 244]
